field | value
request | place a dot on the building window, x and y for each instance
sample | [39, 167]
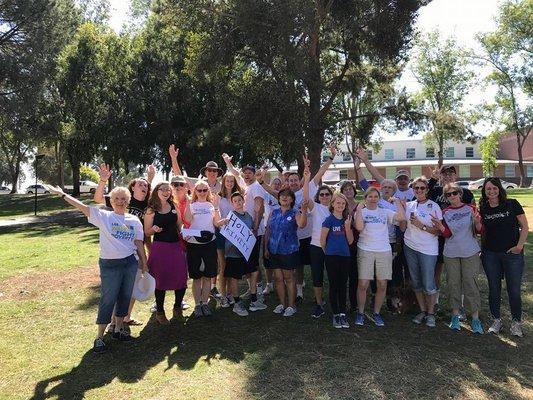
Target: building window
[343, 174]
[430, 152]
[509, 171]
[346, 156]
[369, 154]
[464, 171]
[469, 152]
[410, 153]
[530, 171]
[450, 152]
[389, 154]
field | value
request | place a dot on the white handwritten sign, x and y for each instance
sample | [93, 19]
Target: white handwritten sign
[239, 235]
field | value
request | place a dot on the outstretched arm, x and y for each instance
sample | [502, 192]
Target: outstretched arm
[361, 153]
[229, 165]
[71, 200]
[105, 174]
[173, 152]
[310, 204]
[324, 167]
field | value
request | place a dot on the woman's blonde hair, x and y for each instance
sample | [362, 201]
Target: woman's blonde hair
[338, 195]
[452, 186]
[194, 196]
[120, 190]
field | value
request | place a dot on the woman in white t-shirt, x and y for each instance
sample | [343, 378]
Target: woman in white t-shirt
[374, 253]
[319, 211]
[203, 215]
[121, 236]
[422, 248]
[229, 186]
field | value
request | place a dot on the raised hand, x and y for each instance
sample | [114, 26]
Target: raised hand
[361, 154]
[104, 172]
[150, 172]
[216, 200]
[437, 223]
[307, 174]
[360, 206]
[156, 228]
[260, 175]
[307, 161]
[333, 150]
[56, 190]
[227, 158]
[173, 151]
[348, 222]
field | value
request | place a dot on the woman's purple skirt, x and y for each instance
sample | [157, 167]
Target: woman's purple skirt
[168, 265]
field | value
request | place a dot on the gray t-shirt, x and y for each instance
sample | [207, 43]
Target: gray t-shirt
[460, 236]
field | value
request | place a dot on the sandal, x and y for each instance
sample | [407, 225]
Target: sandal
[133, 322]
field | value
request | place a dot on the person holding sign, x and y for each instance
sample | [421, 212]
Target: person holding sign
[167, 258]
[335, 238]
[236, 264]
[203, 216]
[283, 247]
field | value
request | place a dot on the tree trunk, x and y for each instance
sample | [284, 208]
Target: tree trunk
[75, 165]
[14, 172]
[520, 141]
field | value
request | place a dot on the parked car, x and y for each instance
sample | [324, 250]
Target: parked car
[4, 190]
[40, 189]
[463, 184]
[85, 187]
[474, 185]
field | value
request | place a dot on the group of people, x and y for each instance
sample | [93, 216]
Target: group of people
[401, 235]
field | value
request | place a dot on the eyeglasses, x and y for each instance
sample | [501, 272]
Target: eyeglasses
[211, 170]
[324, 194]
[178, 184]
[450, 194]
[202, 190]
[419, 187]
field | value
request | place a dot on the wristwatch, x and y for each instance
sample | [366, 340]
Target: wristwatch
[424, 228]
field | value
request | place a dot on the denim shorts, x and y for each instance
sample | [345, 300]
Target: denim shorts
[422, 270]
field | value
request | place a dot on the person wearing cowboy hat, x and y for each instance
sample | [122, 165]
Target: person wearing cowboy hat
[210, 173]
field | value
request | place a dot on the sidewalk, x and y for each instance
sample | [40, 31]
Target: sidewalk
[41, 219]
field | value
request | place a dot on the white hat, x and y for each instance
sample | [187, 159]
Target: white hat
[144, 286]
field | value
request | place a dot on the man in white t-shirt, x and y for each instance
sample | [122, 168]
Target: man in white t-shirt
[404, 192]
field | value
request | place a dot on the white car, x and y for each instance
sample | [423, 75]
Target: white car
[40, 189]
[85, 187]
[463, 184]
[477, 185]
[4, 190]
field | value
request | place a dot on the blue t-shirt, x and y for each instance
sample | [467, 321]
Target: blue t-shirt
[283, 237]
[336, 242]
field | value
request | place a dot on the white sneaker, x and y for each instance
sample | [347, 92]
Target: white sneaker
[279, 309]
[257, 306]
[269, 288]
[153, 308]
[289, 312]
[239, 309]
[516, 329]
[224, 303]
[231, 300]
[496, 326]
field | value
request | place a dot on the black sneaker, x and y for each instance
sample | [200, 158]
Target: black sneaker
[299, 300]
[122, 335]
[99, 346]
[215, 294]
[318, 311]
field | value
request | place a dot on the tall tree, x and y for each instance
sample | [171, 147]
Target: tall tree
[301, 50]
[442, 71]
[508, 51]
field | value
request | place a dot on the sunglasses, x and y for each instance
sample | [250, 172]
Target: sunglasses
[325, 194]
[419, 188]
[178, 184]
[202, 190]
[211, 170]
[450, 194]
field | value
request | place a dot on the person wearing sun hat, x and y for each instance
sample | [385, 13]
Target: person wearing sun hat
[210, 173]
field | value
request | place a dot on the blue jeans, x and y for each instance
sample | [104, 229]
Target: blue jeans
[118, 277]
[422, 270]
[511, 267]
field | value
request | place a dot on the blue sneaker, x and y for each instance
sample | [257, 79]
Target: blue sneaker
[359, 319]
[318, 311]
[477, 327]
[378, 320]
[455, 324]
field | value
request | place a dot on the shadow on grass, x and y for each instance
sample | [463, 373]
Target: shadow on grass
[48, 229]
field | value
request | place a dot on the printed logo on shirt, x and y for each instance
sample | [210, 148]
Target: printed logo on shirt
[498, 215]
[374, 219]
[122, 231]
[458, 216]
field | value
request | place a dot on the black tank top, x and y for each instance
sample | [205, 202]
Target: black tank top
[169, 224]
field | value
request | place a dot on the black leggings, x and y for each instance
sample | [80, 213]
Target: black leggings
[337, 268]
[160, 298]
[352, 279]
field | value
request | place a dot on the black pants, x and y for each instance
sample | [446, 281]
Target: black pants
[337, 268]
[160, 298]
[353, 279]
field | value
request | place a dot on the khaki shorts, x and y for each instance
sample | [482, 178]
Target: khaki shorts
[374, 263]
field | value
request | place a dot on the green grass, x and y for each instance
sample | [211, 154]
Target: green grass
[22, 205]
[47, 334]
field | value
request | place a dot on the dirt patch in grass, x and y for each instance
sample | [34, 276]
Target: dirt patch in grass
[33, 285]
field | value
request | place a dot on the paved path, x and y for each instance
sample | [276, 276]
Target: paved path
[41, 219]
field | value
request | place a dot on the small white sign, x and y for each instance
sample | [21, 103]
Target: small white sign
[239, 235]
[191, 232]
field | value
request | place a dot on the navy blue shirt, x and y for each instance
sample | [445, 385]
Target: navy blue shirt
[336, 242]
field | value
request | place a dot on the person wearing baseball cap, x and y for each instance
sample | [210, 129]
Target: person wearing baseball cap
[210, 173]
[402, 178]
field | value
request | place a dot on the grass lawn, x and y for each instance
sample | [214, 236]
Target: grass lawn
[22, 205]
[49, 285]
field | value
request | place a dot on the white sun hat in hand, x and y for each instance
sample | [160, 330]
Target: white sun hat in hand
[144, 286]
